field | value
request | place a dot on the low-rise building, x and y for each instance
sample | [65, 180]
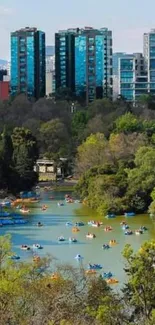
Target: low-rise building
[4, 90]
[49, 170]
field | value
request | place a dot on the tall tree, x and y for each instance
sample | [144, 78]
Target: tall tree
[55, 139]
[6, 156]
[24, 158]
[139, 292]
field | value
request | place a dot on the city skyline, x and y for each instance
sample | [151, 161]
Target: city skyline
[127, 28]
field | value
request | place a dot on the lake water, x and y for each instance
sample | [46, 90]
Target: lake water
[54, 220]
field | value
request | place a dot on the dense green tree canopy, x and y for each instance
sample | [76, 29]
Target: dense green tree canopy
[29, 295]
[54, 138]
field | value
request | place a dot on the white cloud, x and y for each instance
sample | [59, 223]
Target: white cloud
[6, 11]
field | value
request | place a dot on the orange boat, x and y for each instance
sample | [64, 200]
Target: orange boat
[75, 229]
[112, 281]
[90, 272]
[17, 201]
[108, 228]
[44, 208]
[112, 242]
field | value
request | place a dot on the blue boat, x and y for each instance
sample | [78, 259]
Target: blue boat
[143, 228]
[111, 216]
[14, 257]
[28, 195]
[69, 224]
[129, 214]
[60, 204]
[79, 224]
[105, 246]
[72, 240]
[6, 222]
[94, 267]
[107, 275]
[5, 204]
[20, 222]
[4, 214]
[128, 232]
[125, 227]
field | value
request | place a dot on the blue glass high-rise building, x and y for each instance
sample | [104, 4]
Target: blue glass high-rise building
[132, 77]
[149, 55]
[116, 57]
[84, 62]
[28, 62]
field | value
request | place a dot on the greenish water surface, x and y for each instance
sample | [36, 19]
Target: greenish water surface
[54, 220]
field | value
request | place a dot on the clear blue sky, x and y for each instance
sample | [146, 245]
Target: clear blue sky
[128, 19]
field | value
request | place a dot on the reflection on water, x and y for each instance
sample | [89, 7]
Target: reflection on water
[54, 221]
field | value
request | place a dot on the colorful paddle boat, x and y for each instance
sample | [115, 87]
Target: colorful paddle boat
[69, 224]
[78, 257]
[112, 242]
[60, 204]
[37, 246]
[25, 247]
[94, 267]
[90, 236]
[110, 216]
[105, 246]
[24, 211]
[61, 239]
[128, 232]
[75, 229]
[107, 275]
[108, 228]
[143, 228]
[138, 232]
[112, 281]
[72, 240]
[90, 272]
[14, 257]
[125, 227]
[129, 214]
[79, 224]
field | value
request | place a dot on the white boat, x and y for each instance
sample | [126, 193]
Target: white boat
[37, 246]
[138, 232]
[72, 240]
[24, 211]
[60, 204]
[25, 247]
[90, 236]
[78, 257]
[61, 238]
[69, 224]
[96, 225]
